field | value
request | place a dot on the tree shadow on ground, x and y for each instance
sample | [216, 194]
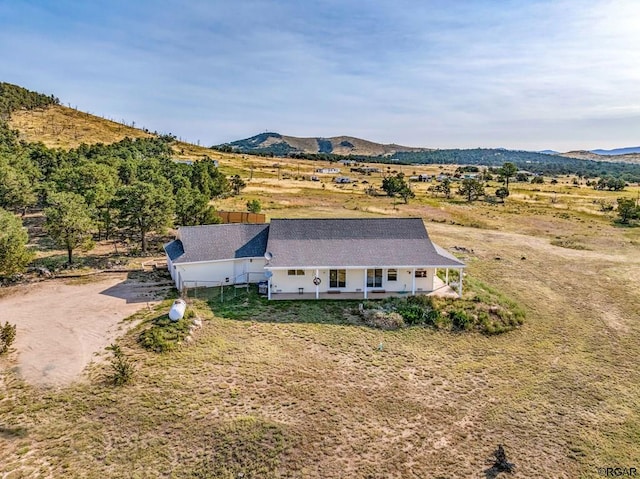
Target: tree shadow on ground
[140, 287]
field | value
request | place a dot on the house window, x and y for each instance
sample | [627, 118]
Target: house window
[295, 272]
[421, 273]
[392, 275]
[337, 278]
[374, 278]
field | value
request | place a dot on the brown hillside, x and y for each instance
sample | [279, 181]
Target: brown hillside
[341, 145]
[587, 155]
[62, 127]
[344, 145]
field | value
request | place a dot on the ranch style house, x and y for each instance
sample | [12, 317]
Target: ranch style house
[314, 258]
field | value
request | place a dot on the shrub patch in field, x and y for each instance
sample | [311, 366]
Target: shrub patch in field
[160, 334]
[482, 309]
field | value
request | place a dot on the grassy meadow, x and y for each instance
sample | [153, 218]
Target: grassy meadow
[304, 389]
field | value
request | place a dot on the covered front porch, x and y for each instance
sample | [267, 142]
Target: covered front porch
[441, 289]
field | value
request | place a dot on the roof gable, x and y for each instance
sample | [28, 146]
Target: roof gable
[218, 242]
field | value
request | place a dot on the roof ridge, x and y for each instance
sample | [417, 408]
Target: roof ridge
[347, 219]
[223, 224]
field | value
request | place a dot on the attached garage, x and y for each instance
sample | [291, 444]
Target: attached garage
[215, 255]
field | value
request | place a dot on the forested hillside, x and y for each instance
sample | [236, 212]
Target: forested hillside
[128, 188]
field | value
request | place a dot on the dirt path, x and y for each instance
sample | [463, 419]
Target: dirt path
[63, 324]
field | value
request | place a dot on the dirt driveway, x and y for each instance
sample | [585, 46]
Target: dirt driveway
[62, 324]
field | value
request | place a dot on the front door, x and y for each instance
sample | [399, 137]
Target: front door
[337, 278]
[374, 278]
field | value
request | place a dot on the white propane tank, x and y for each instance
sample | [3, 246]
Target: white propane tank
[177, 310]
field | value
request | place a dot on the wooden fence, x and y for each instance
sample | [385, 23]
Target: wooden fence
[242, 217]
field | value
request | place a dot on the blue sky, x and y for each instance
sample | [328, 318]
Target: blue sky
[562, 74]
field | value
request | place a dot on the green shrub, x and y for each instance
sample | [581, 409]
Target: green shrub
[122, 368]
[412, 313]
[165, 335]
[460, 319]
[435, 318]
[7, 337]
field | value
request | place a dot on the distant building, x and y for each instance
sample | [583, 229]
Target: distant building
[342, 179]
[420, 178]
[328, 171]
[365, 170]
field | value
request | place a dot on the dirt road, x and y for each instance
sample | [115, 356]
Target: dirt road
[63, 324]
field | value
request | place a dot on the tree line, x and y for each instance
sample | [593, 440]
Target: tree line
[539, 163]
[14, 97]
[93, 192]
[473, 188]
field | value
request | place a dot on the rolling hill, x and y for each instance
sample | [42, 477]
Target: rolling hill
[281, 145]
[57, 126]
[618, 151]
[276, 144]
[631, 158]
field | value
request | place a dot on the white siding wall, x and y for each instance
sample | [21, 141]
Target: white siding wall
[205, 273]
[425, 284]
[208, 274]
[170, 268]
[255, 266]
[281, 282]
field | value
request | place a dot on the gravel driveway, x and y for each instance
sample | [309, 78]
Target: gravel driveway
[62, 324]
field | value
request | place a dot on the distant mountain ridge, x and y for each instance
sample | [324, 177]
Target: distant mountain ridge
[281, 145]
[276, 144]
[618, 151]
[633, 158]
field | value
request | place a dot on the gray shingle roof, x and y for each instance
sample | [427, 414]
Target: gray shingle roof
[353, 242]
[218, 242]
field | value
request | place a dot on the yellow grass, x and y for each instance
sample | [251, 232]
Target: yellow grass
[62, 127]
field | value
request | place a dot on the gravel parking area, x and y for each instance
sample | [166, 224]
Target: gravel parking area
[63, 324]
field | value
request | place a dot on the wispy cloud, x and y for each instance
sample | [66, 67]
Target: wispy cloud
[521, 74]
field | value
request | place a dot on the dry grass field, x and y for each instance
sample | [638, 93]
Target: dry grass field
[62, 127]
[305, 390]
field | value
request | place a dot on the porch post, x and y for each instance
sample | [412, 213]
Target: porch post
[460, 282]
[317, 285]
[365, 283]
[413, 281]
[269, 288]
[446, 277]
